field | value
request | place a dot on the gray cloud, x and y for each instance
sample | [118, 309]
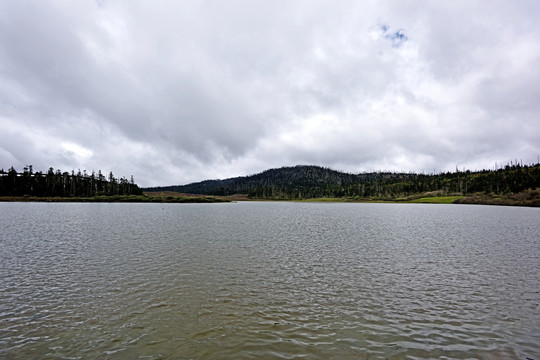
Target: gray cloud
[184, 91]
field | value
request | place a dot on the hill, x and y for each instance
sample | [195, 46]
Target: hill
[308, 181]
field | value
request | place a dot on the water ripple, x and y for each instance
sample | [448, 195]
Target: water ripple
[269, 280]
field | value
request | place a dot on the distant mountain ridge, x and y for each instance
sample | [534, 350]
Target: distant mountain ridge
[310, 181]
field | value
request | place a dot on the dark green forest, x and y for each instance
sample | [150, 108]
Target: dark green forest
[64, 184]
[306, 182]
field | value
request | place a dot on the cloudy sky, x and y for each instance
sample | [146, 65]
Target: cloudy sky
[173, 92]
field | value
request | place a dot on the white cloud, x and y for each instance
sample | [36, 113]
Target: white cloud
[184, 91]
[80, 152]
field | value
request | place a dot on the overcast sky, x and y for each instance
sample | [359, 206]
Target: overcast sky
[174, 92]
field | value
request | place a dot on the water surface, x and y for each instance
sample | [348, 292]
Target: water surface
[269, 280]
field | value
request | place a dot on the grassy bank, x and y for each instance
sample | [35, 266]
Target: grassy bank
[425, 200]
[527, 198]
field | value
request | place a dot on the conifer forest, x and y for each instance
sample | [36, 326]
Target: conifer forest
[64, 184]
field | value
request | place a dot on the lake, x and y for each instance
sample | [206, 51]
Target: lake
[269, 280]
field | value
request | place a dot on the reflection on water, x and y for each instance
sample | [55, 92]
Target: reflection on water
[269, 280]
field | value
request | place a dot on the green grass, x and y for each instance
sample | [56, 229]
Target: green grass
[325, 200]
[436, 199]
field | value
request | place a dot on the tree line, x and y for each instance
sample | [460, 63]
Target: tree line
[306, 181]
[55, 183]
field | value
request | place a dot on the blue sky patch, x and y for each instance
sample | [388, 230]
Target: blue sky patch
[396, 37]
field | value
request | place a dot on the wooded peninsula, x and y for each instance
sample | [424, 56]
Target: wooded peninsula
[58, 186]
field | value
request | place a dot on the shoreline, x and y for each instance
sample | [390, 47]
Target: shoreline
[116, 199]
[529, 198]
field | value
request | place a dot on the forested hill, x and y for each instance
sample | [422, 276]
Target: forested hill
[304, 182]
[284, 178]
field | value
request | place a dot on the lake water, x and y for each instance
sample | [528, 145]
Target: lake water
[269, 280]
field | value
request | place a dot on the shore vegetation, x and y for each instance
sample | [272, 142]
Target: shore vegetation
[512, 184]
[81, 186]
